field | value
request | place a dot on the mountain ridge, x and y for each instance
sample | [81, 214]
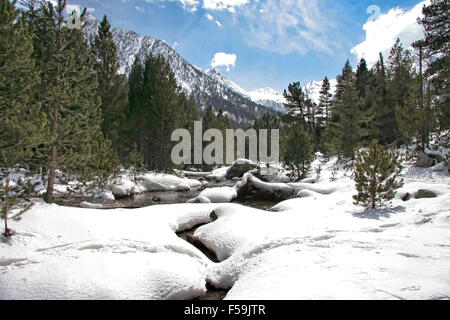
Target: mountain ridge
[206, 90]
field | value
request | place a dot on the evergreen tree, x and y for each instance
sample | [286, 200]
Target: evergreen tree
[381, 111]
[325, 100]
[362, 78]
[69, 97]
[209, 119]
[301, 108]
[347, 73]
[408, 113]
[442, 90]
[295, 103]
[423, 112]
[163, 112]
[298, 151]
[400, 73]
[435, 21]
[135, 161]
[22, 123]
[112, 87]
[376, 174]
[268, 122]
[136, 116]
[346, 130]
[436, 45]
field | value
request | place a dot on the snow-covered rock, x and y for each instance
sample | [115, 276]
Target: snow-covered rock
[218, 195]
[165, 182]
[239, 168]
[126, 186]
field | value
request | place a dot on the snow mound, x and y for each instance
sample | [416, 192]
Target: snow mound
[74, 253]
[218, 195]
[126, 186]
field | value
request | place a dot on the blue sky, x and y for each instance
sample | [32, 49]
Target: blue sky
[268, 43]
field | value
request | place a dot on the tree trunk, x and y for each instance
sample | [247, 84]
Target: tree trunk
[52, 161]
[7, 233]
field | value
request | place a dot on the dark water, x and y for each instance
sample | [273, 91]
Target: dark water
[164, 197]
[211, 292]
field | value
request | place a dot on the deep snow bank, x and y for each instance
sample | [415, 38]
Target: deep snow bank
[73, 253]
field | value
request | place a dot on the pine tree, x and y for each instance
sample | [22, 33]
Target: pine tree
[135, 161]
[112, 87]
[135, 115]
[295, 103]
[163, 112]
[346, 129]
[301, 108]
[436, 17]
[381, 111]
[399, 73]
[298, 151]
[362, 78]
[408, 113]
[22, 123]
[376, 173]
[209, 119]
[325, 100]
[436, 45]
[442, 90]
[68, 92]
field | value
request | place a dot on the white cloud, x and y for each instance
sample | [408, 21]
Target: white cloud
[71, 7]
[211, 18]
[222, 59]
[223, 4]
[139, 9]
[382, 33]
[188, 5]
[289, 26]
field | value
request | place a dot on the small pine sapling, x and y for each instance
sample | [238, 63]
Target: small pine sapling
[376, 176]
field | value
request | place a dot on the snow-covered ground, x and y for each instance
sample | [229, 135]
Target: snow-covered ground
[73, 253]
[316, 246]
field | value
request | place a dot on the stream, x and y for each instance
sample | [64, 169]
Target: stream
[174, 197]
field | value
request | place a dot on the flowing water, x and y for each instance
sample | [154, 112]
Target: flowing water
[172, 197]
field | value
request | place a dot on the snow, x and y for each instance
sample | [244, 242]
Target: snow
[324, 247]
[73, 253]
[218, 174]
[219, 194]
[318, 245]
[165, 182]
[125, 185]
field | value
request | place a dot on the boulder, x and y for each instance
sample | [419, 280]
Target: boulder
[239, 168]
[423, 160]
[442, 166]
[406, 197]
[422, 193]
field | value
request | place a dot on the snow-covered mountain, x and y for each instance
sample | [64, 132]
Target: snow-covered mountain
[268, 97]
[207, 87]
[313, 89]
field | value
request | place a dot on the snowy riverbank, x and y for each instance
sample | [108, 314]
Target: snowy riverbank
[316, 246]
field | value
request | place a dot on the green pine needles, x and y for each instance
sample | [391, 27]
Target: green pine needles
[376, 176]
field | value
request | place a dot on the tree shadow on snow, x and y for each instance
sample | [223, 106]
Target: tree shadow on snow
[381, 212]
